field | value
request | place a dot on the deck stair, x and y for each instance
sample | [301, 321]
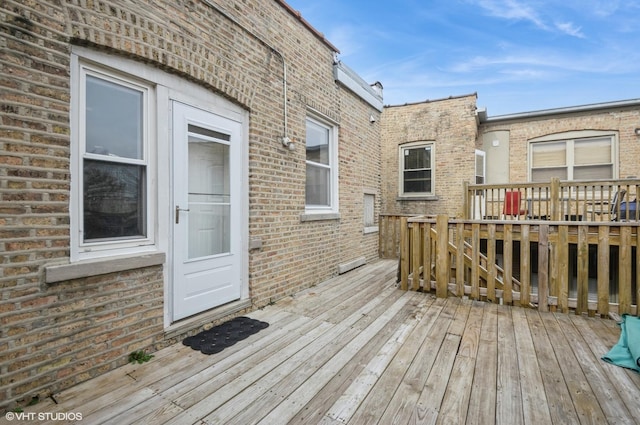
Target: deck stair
[483, 267]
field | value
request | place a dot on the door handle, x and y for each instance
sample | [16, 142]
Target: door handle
[178, 209]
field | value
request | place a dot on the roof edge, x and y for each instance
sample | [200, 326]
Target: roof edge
[558, 111]
[296, 14]
[433, 100]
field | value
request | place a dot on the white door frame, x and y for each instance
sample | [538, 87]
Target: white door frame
[195, 96]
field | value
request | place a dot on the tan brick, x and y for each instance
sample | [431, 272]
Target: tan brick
[35, 152]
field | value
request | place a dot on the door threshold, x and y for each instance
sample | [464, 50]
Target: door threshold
[194, 322]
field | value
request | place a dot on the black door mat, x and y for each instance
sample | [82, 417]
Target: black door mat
[224, 335]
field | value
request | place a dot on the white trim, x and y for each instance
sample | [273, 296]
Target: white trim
[345, 75]
[333, 167]
[414, 145]
[79, 249]
[167, 87]
[569, 138]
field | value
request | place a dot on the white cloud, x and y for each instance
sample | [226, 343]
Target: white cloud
[512, 10]
[570, 29]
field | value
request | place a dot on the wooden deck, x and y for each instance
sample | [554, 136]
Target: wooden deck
[357, 350]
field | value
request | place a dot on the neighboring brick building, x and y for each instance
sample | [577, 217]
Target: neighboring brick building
[606, 130]
[436, 141]
[598, 141]
[143, 144]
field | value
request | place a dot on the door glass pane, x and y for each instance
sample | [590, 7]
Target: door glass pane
[114, 124]
[480, 172]
[209, 198]
[113, 200]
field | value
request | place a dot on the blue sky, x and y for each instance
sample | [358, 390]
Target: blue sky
[517, 55]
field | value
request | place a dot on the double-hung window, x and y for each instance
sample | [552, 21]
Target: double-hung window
[587, 158]
[416, 169]
[321, 189]
[111, 208]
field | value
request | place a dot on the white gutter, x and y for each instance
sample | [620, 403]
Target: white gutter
[347, 77]
[556, 111]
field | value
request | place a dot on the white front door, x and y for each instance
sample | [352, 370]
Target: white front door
[207, 212]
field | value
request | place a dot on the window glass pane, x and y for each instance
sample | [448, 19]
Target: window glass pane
[113, 200]
[317, 143]
[549, 154]
[417, 158]
[416, 173]
[593, 172]
[479, 165]
[317, 186]
[369, 209]
[546, 174]
[417, 181]
[114, 124]
[480, 172]
[593, 151]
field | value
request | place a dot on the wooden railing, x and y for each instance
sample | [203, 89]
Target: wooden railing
[389, 235]
[594, 200]
[560, 266]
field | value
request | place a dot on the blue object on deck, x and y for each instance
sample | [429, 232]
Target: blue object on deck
[631, 206]
[626, 353]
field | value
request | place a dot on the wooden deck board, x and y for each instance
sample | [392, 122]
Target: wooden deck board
[559, 400]
[508, 394]
[534, 401]
[357, 350]
[314, 411]
[584, 401]
[482, 402]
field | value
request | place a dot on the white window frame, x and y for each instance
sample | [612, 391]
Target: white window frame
[369, 212]
[401, 154]
[333, 207]
[570, 138]
[80, 249]
[480, 174]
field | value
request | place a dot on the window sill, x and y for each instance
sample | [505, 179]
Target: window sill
[61, 272]
[371, 229]
[418, 198]
[319, 216]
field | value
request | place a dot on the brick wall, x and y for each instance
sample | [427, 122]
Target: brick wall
[622, 120]
[451, 124]
[56, 335]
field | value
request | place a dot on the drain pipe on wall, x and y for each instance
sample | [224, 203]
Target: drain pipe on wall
[285, 140]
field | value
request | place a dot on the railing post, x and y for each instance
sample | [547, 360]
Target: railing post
[543, 268]
[582, 305]
[442, 256]
[404, 253]
[624, 271]
[603, 270]
[416, 254]
[562, 268]
[466, 202]
[508, 264]
[555, 199]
